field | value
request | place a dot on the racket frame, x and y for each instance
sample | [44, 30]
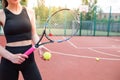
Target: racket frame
[29, 51]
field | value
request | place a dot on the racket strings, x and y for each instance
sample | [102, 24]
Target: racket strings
[63, 23]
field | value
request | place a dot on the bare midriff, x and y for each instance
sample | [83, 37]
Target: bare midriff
[20, 43]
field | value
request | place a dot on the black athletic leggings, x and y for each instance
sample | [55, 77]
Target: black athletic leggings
[10, 71]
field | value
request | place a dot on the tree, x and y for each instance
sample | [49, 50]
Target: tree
[85, 2]
[24, 2]
[91, 8]
[0, 4]
[41, 11]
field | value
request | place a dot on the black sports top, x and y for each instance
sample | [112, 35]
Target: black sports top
[17, 27]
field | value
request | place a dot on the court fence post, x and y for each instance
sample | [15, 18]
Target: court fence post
[109, 19]
[80, 23]
[94, 33]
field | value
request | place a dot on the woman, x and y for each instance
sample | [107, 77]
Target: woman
[20, 31]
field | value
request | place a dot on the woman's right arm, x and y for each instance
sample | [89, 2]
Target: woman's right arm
[14, 58]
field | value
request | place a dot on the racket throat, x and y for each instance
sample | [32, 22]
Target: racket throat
[51, 41]
[37, 45]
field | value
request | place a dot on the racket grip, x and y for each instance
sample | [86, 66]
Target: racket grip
[29, 51]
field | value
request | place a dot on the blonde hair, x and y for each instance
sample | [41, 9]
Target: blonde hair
[4, 3]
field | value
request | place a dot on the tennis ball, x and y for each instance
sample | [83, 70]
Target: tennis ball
[47, 55]
[97, 59]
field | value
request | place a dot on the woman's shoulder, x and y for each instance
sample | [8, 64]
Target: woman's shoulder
[29, 10]
[1, 16]
[1, 13]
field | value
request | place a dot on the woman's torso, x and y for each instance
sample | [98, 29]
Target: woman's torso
[19, 42]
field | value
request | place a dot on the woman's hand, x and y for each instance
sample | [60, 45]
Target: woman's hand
[18, 58]
[41, 50]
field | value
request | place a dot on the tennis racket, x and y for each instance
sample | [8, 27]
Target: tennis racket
[60, 26]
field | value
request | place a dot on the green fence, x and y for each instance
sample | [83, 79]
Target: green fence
[89, 28]
[101, 24]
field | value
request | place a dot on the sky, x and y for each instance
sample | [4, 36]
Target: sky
[67, 3]
[104, 4]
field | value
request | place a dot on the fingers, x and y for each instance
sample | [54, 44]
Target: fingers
[43, 49]
[19, 58]
[23, 56]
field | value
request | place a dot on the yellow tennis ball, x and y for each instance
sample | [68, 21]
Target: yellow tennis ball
[47, 55]
[97, 59]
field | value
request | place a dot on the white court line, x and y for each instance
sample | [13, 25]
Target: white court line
[79, 56]
[91, 48]
[115, 39]
[72, 44]
[90, 57]
[103, 52]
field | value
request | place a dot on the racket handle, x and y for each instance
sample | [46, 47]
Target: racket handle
[29, 51]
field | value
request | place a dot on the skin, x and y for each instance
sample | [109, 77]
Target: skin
[15, 7]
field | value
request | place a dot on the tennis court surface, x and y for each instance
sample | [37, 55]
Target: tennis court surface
[76, 59]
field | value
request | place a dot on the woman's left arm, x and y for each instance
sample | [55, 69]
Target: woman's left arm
[35, 37]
